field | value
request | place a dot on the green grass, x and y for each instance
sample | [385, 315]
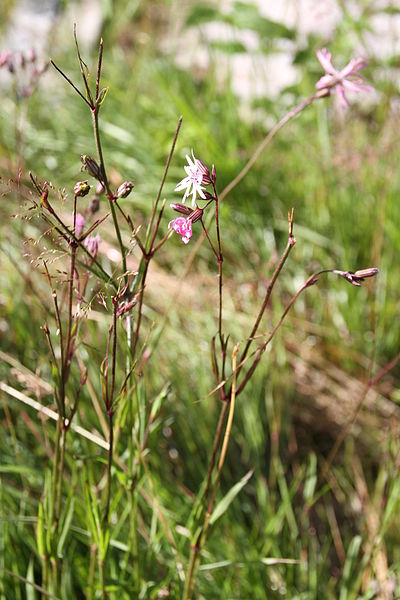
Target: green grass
[341, 533]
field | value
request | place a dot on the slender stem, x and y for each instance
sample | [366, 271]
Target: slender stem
[81, 65]
[96, 130]
[217, 440]
[61, 472]
[99, 69]
[92, 565]
[70, 82]
[110, 415]
[68, 350]
[209, 239]
[202, 536]
[114, 354]
[259, 150]
[163, 178]
[261, 349]
[55, 471]
[220, 261]
[291, 242]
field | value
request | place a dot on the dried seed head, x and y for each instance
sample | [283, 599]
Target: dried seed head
[81, 188]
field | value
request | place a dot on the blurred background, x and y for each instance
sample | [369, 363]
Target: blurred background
[232, 70]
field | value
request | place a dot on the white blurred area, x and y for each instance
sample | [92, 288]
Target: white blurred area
[252, 74]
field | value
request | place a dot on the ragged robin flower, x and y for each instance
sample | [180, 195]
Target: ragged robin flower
[197, 176]
[345, 80]
[183, 226]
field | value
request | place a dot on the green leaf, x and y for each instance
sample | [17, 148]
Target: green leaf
[247, 16]
[158, 402]
[350, 567]
[40, 536]
[18, 469]
[92, 516]
[226, 501]
[230, 47]
[203, 13]
[30, 581]
[69, 513]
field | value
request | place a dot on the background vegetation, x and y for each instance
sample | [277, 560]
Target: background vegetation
[340, 173]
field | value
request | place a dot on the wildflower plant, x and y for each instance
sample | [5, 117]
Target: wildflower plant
[121, 293]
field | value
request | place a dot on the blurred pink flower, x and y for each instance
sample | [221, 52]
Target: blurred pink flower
[197, 174]
[5, 56]
[344, 80]
[182, 227]
[79, 224]
[92, 244]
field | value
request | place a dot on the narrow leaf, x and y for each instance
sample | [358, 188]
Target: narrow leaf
[223, 505]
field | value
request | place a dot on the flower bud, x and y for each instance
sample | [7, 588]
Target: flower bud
[196, 215]
[364, 273]
[359, 276]
[125, 189]
[91, 167]
[213, 174]
[181, 208]
[81, 188]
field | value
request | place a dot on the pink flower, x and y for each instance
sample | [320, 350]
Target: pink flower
[79, 224]
[197, 175]
[5, 56]
[344, 80]
[92, 244]
[182, 227]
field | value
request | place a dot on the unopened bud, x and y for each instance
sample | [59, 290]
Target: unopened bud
[359, 276]
[125, 189]
[81, 188]
[196, 215]
[365, 273]
[181, 208]
[213, 174]
[91, 167]
[43, 199]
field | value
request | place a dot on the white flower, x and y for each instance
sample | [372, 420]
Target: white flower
[195, 177]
